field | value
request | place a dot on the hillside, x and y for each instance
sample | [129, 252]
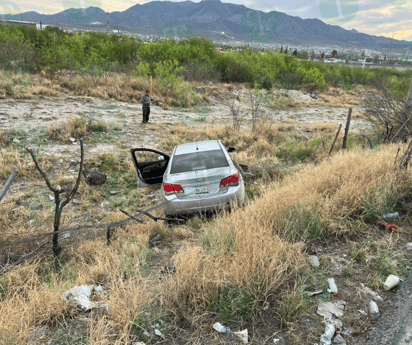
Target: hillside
[209, 17]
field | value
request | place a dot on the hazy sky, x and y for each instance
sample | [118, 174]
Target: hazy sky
[391, 18]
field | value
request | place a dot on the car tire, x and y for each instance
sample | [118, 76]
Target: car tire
[171, 219]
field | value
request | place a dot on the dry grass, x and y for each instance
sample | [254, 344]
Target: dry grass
[336, 187]
[247, 248]
[321, 127]
[76, 127]
[120, 87]
[336, 97]
[359, 115]
[12, 160]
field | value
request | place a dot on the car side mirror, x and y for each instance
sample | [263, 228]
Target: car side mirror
[231, 149]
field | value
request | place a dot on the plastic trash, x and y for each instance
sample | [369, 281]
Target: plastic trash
[391, 215]
[373, 310]
[314, 293]
[409, 246]
[314, 261]
[326, 337]
[156, 238]
[328, 309]
[242, 335]
[80, 295]
[221, 329]
[372, 293]
[339, 340]
[276, 340]
[391, 282]
[332, 286]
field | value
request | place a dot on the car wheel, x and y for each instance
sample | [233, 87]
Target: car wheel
[171, 219]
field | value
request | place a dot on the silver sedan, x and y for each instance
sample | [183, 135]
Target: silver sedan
[196, 177]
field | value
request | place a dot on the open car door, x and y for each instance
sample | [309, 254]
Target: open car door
[150, 165]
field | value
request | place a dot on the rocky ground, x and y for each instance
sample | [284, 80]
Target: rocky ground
[35, 115]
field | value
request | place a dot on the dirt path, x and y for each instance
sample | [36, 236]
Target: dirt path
[33, 116]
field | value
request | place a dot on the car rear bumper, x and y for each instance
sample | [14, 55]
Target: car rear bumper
[179, 207]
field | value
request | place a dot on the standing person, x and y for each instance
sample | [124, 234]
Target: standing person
[146, 100]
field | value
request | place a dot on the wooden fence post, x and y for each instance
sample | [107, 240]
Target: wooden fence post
[345, 137]
[334, 141]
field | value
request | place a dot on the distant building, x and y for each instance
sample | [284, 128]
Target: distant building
[16, 22]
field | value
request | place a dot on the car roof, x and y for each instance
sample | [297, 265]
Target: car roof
[198, 146]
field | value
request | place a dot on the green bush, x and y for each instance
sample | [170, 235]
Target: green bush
[393, 263]
[303, 221]
[192, 59]
[379, 201]
[233, 305]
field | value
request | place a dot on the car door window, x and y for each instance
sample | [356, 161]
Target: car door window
[150, 164]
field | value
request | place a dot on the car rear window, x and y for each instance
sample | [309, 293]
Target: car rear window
[198, 161]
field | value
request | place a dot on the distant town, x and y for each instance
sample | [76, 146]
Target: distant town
[224, 42]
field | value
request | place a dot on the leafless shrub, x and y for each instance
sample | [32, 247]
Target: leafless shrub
[235, 106]
[59, 205]
[389, 114]
[254, 101]
[404, 160]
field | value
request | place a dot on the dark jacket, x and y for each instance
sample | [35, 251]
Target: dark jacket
[146, 100]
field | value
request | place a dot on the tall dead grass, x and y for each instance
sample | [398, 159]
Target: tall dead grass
[336, 97]
[120, 87]
[262, 254]
[336, 187]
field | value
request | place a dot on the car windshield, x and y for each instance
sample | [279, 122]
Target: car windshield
[198, 161]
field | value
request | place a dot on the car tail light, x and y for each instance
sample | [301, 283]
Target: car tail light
[170, 188]
[232, 180]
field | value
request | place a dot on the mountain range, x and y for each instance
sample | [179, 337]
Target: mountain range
[210, 18]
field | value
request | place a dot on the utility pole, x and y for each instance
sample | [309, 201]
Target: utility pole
[108, 26]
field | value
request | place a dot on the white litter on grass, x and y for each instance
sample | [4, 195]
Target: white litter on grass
[372, 293]
[373, 310]
[158, 333]
[328, 309]
[242, 335]
[314, 293]
[80, 295]
[339, 340]
[332, 286]
[314, 261]
[326, 338]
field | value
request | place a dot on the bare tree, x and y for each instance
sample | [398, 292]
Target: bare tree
[58, 204]
[235, 105]
[389, 113]
[403, 161]
[254, 100]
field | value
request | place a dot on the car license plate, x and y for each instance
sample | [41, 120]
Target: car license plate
[201, 190]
